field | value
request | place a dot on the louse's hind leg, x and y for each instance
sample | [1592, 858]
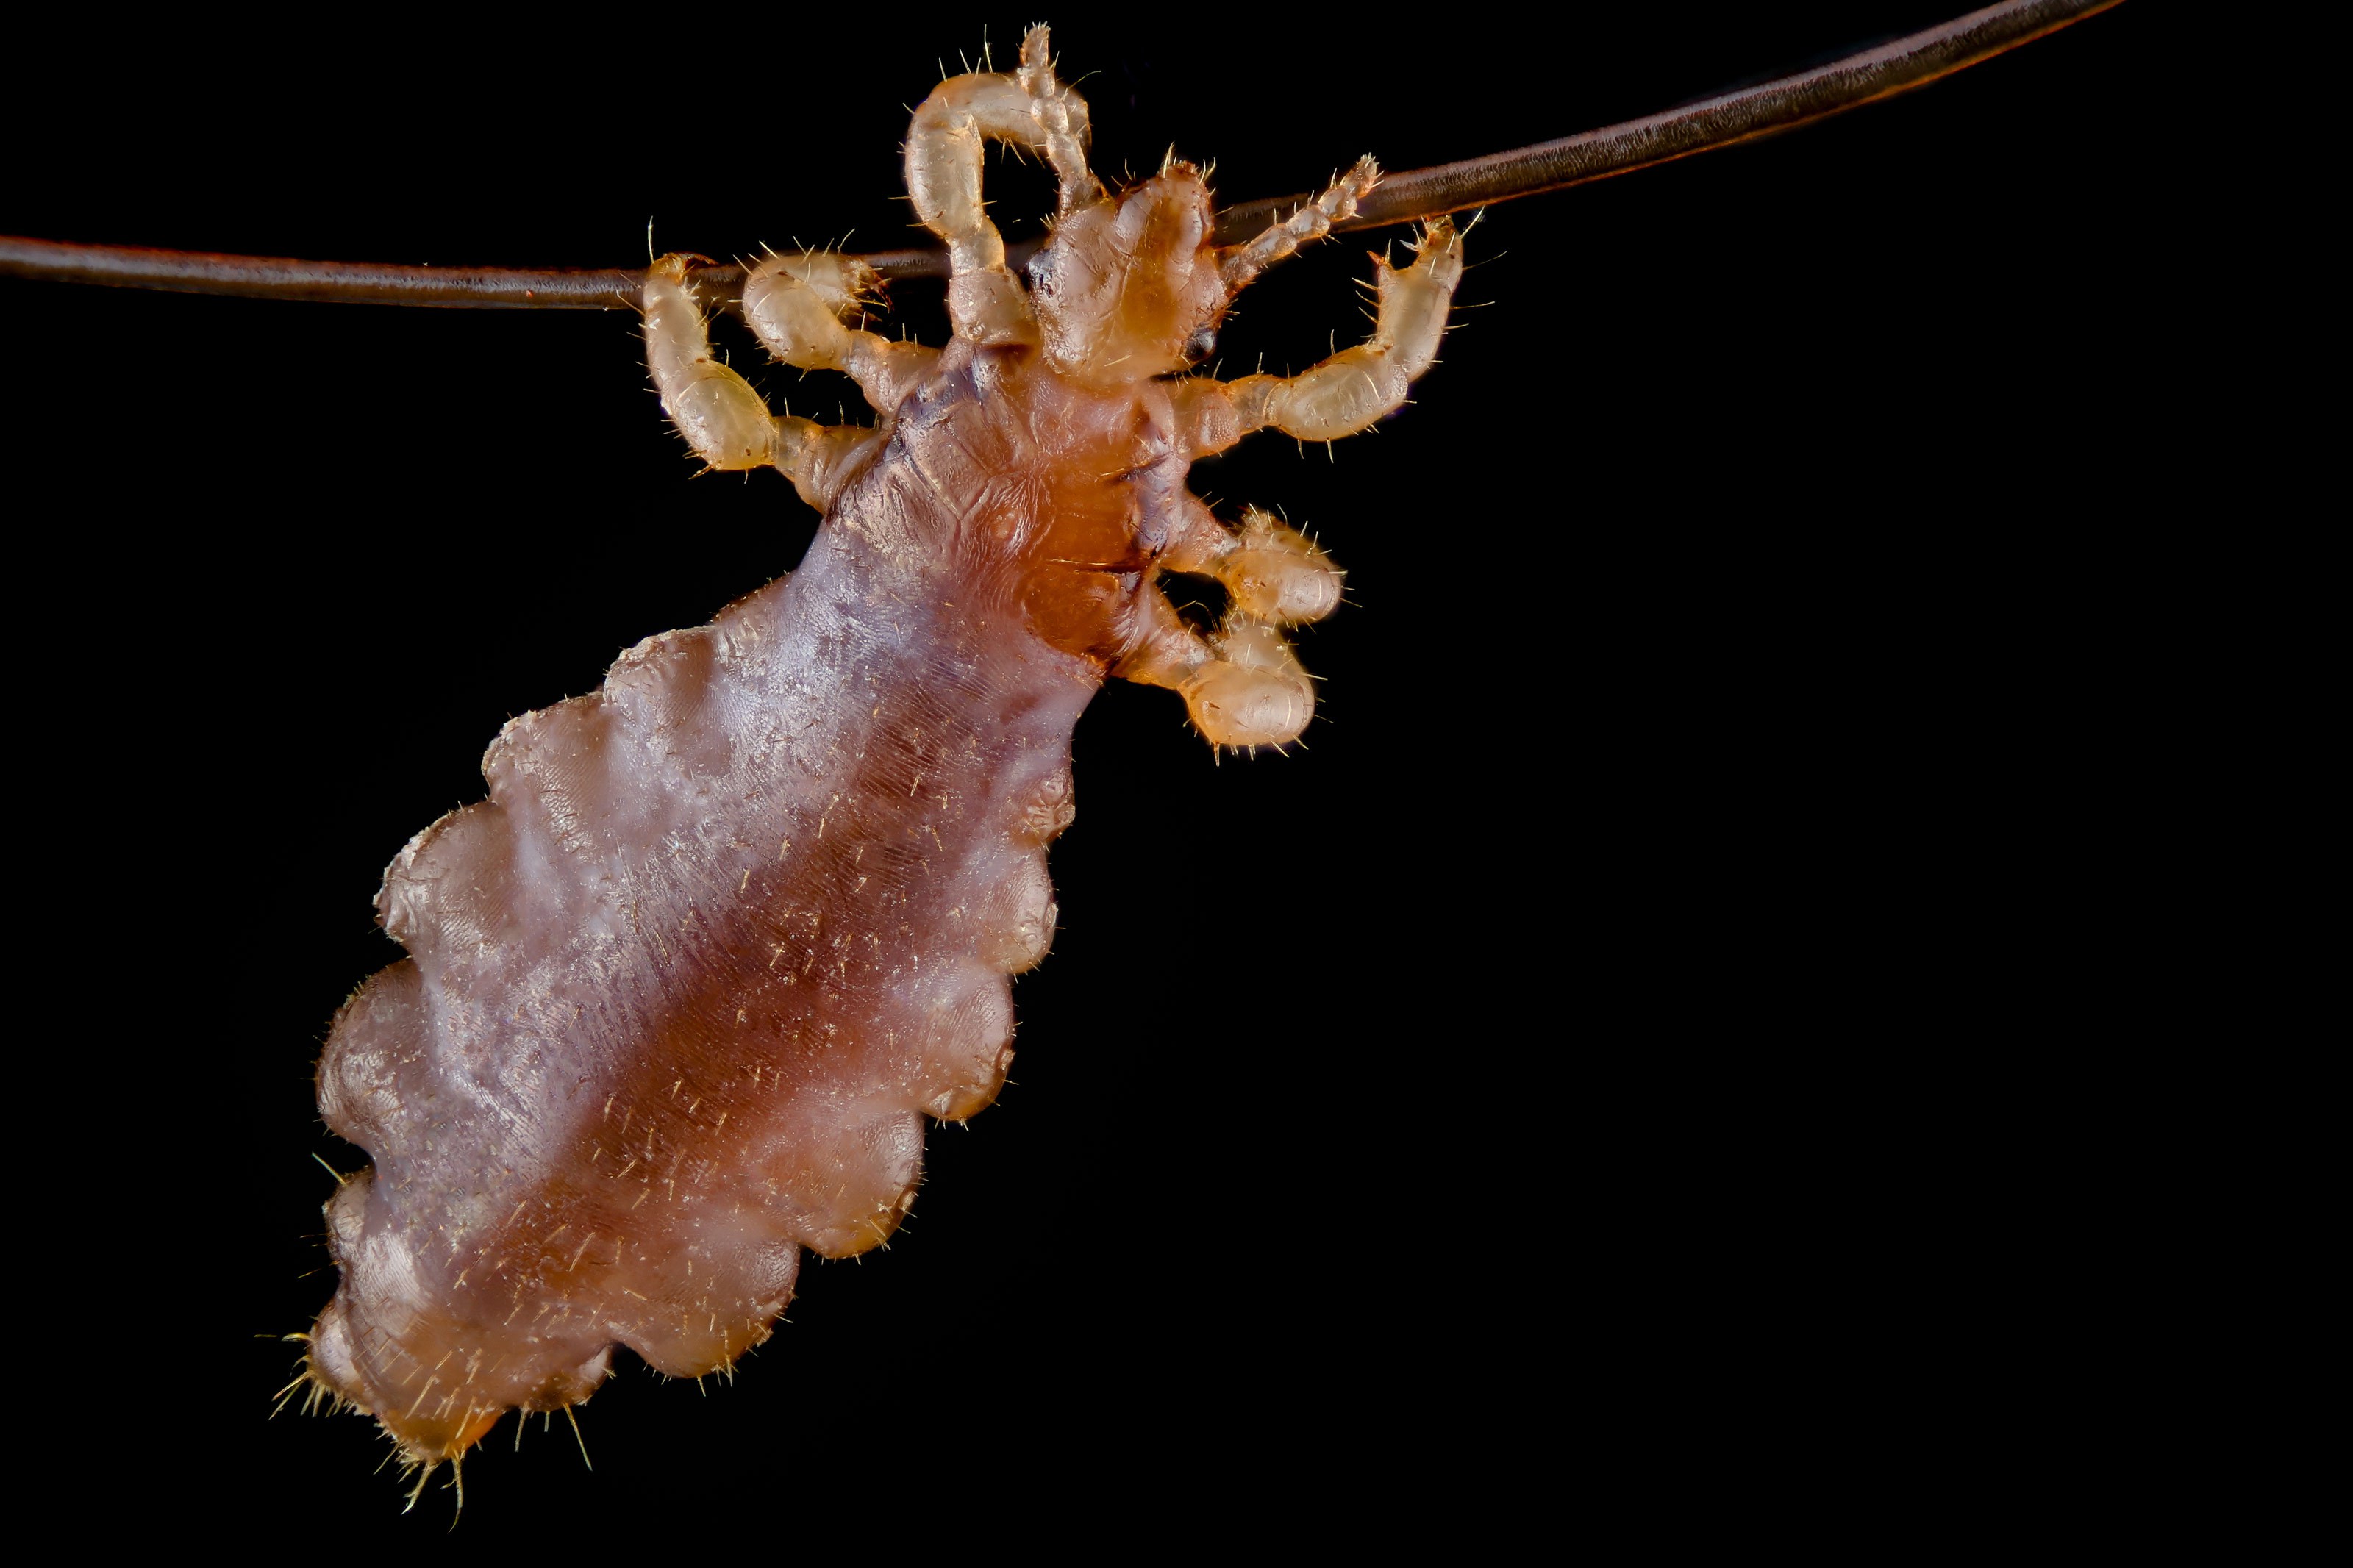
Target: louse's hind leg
[1356, 387]
[800, 306]
[721, 417]
[1241, 683]
[1029, 108]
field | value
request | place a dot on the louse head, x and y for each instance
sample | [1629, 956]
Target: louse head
[1127, 286]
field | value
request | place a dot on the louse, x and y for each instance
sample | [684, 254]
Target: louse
[268, 388]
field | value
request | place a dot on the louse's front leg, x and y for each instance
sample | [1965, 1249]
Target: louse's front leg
[721, 417]
[1028, 109]
[1355, 387]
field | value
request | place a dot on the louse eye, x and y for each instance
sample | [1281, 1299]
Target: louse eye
[1201, 345]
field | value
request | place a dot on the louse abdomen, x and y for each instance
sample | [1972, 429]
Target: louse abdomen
[683, 989]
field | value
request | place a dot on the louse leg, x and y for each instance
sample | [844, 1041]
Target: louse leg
[1271, 572]
[1061, 117]
[1242, 684]
[721, 417]
[799, 307]
[1356, 387]
[1029, 108]
[1242, 263]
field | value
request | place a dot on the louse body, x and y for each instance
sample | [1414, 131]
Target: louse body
[683, 991]
[440, 525]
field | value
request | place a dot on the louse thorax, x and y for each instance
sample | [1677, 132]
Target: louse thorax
[1125, 283]
[1076, 488]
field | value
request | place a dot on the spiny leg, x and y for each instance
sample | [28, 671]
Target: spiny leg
[1061, 117]
[1241, 683]
[721, 417]
[799, 307]
[1349, 391]
[1029, 108]
[1241, 264]
[1272, 573]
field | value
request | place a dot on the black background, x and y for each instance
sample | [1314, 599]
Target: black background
[1569, 1071]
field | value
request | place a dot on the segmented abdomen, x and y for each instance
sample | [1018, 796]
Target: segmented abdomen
[724, 933]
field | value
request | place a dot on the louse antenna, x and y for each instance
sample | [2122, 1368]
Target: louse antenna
[1416, 195]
